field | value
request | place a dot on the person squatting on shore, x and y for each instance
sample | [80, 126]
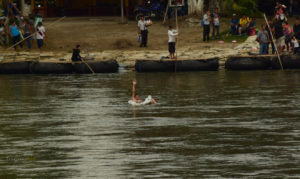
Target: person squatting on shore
[15, 34]
[143, 31]
[263, 39]
[172, 41]
[76, 54]
[234, 25]
[206, 26]
[40, 35]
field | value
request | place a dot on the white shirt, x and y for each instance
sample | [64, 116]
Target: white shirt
[41, 32]
[142, 25]
[296, 43]
[206, 19]
[216, 21]
[172, 35]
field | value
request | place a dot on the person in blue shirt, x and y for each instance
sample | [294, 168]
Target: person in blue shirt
[15, 34]
[234, 25]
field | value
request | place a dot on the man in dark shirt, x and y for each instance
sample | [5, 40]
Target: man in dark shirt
[76, 54]
[297, 28]
[270, 36]
[279, 36]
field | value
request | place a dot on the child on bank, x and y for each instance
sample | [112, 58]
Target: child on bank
[296, 46]
[172, 41]
[40, 35]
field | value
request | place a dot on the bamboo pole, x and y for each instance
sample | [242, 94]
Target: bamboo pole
[278, 55]
[89, 67]
[166, 13]
[176, 46]
[35, 33]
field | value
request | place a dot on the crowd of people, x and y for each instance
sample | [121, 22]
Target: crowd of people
[16, 28]
[279, 33]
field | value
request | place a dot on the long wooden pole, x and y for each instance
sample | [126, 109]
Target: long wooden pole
[35, 33]
[90, 68]
[177, 38]
[278, 55]
[166, 13]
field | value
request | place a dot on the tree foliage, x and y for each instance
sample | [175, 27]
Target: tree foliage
[247, 7]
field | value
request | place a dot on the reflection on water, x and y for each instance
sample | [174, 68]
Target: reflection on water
[206, 125]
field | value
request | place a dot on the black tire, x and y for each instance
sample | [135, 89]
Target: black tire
[15, 68]
[288, 62]
[51, 68]
[180, 65]
[248, 63]
[110, 66]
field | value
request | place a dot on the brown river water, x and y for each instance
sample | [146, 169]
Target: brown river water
[206, 125]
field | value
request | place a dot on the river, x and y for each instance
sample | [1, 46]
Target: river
[206, 125]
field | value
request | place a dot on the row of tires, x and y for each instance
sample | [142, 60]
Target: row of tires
[112, 66]
[233, 63]
[35, 67]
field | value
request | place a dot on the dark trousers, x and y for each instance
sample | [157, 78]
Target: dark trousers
[273, 48]
[206, 31]
[297, 50]
[234, 30]
[17, 39]
[28, 40]
[263, 50]
[144, 34]
[216, 31]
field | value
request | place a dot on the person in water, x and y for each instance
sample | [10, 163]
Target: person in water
[76, 54]
[136, 98]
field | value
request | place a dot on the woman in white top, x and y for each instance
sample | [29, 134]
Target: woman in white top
[172, 41]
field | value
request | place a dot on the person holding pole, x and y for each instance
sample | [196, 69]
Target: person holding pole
[172, 41]
[279, 35]
[15, 34]
[40, 35]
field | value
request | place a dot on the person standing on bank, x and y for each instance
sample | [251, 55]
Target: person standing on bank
[263, 39]
[206, 26]
[28, 30]
[172, 41]
[216, 24]
[143, 31]
[40, 35]
[15, 34]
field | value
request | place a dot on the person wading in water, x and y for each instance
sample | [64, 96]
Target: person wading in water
[136, 98]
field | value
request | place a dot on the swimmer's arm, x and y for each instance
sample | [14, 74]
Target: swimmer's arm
[133, 90]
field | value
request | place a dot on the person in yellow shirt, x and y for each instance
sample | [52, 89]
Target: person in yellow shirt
[244, 23]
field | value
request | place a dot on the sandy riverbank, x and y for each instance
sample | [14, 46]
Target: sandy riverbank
[106, 38]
